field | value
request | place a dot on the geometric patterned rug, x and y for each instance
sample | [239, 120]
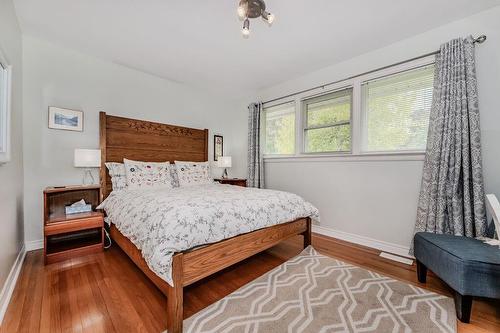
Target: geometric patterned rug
[315, 293]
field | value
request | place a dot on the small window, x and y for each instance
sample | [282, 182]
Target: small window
[4, 111]
[395, 111]
[279, 126]
[328, 122]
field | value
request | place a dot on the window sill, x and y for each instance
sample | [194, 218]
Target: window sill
[420, 156]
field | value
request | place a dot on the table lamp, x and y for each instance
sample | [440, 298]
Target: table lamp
[224, 162]
[87, 158]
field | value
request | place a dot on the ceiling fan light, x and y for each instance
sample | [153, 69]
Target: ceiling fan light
[246, 28]
[241, 11]
[252, 9]
[268, 17]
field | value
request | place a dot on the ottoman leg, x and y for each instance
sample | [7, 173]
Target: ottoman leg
[463, 307]
[421, 272]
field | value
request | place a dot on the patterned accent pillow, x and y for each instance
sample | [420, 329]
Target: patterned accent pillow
[193, 173]
[118, 175]
[148, 174]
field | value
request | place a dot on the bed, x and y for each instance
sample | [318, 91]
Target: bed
[155, 142]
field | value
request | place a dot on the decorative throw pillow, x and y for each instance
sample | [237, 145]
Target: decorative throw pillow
[193, 173]
[118, 175]
[148, 174]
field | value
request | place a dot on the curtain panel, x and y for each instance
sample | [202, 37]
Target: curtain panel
[255, 159]
[451, 197]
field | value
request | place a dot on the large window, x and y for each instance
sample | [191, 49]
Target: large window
[279, 129]
[395, 111]
[327, 121]
[382, 112]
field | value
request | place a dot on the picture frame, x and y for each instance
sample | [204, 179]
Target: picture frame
[218, 147]
[65, 119]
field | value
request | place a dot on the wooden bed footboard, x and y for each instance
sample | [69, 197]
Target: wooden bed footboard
[193, 265]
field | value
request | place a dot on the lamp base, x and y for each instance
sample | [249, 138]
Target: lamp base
[224, 174]
[88, 178]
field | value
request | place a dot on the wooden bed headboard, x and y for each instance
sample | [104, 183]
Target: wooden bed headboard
[142, 140]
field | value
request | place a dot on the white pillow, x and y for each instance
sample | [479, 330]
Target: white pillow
[118, 175]
[193, 173]
[148, 174]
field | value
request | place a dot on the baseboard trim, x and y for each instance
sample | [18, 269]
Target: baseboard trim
[10, 283]
[362, 240]
[393, 257]
[33, 245]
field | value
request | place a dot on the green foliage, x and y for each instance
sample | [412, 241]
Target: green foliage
[329, 139]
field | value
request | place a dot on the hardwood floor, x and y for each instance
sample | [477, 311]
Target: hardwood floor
[105, 292]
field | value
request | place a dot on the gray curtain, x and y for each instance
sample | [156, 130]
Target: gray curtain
[452, 192]
[255, 161]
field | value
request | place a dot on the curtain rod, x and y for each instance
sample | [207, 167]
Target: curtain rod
[481, 39]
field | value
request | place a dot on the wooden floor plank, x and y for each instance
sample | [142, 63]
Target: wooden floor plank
[20, 296]
[105, 292]
[36, 295]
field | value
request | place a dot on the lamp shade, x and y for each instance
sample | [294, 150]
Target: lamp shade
[224, 162]
[87, 158]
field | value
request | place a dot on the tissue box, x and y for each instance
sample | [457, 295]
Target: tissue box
[78, 209]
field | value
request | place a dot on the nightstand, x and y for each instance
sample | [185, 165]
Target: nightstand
[232, 181]
[70, 235]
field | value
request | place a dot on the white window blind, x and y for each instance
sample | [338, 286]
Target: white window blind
[395, 111]
[328, 122]
[279, 129]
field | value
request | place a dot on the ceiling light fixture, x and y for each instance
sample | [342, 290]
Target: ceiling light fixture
[248, 9]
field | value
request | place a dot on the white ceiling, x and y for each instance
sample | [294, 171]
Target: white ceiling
[199, 42]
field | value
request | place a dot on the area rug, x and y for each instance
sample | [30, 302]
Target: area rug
[315, 293]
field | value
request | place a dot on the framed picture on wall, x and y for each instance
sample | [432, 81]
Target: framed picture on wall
[218, 147]
[65, 119]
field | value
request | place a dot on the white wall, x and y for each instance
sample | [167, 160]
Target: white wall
[56, 76]
[11, 174]
[378, 199]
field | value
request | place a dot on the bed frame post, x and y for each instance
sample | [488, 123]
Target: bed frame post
[206, 144]
[308, 233]
[175, 296]
[102, 145]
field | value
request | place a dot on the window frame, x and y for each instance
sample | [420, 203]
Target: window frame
[356, 152]
[263, 126]
[5, 111]
[318, 98]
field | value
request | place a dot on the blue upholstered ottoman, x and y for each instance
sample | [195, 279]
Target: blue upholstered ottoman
[469, 266]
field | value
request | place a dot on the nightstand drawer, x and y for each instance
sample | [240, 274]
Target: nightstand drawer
[73, 225]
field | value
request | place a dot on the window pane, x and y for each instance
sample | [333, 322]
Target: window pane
[280, 129]
[329, 109]
[328, 139]
[327, 122]
[396, 110]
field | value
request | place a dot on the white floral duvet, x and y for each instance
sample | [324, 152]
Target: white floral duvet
[161, 222]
